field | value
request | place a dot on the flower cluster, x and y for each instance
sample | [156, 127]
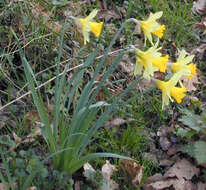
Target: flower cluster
[151, 60]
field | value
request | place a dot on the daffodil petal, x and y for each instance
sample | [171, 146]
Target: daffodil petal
[92, 15]
[96, 28]
[193, 69]
[178, 93]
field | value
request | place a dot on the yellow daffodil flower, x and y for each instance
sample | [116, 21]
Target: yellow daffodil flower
[151, 60]
[169, 90]
[193, 69]
[87, 25]
[181, 65]
[151, 26]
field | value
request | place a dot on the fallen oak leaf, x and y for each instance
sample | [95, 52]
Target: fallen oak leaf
[177, 185]
[106, 182]
[107, 171]
[200, 6]
[2, 186]
[108, 14]
[16, 138]
[183, 185]
[32, 188]
[159, 185]
[200, 51]
[201, 186]
[135, 170]
[182, 169]
[189, 83]
[7, 186]
[201, 26]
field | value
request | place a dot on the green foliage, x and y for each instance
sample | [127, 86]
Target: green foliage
[68, 140]
[196, 150]
[193, 121]
[24, 169]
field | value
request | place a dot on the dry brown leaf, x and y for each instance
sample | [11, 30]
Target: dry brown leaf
[115, 122]
[166, 162]
[189, 83]
[16, 138]
[28, 140]
[145, 84]
[107, 171]
[201, 26]
[87, 166]
[138, 178]
[182, 169]
[159, 185]
[2, 186]
[183, 185]
[200, 6]
[32, 188]
[174, 149]
[200, 52]
[38, 10]
[74, 8]
[108, 14]
[31, 118]
[177, 185]
[54, 26]
[154, 178]
[135, 170]
[127, 67]
[163, 131]
[201, 186]
[164, 143]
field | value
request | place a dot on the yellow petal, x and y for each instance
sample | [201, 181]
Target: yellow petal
[168, 89]
[159, 32]
[192, 67]
[163, 86]
[138, 69]
[155, 16]
[178, 93]
[161, 63]
[92, 15]
[180, 67]
[96, 28]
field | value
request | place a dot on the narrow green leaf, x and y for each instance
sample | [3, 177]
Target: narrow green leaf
[79, 163]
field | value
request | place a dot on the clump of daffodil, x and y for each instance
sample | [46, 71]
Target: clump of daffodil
[182, 65]
[169, 89]
[151, 61]
[87, 25]
[151, 26]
